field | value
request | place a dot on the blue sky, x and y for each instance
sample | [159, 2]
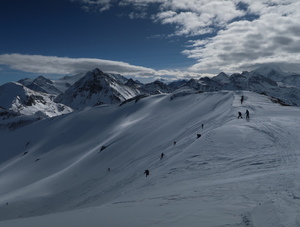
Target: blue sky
[146, 39]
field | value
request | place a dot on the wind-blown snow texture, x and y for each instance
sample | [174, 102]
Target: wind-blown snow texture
[238, 173]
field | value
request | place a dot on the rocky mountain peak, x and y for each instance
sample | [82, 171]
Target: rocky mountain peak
[40, 80]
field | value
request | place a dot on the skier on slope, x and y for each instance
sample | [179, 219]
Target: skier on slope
[147, 172]
[240, 115]
[162, 155]
[242, 99]
[247, 115]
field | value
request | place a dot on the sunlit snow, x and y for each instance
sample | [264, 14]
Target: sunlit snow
[238, 173]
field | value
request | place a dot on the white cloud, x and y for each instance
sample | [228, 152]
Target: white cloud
[190, 23]
[243, 34]
[243, 45]
[63, 66]
[191, 17]
[101, 5]
[140, 15]
[260, 32]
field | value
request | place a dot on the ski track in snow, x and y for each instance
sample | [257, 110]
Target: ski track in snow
[238, 173]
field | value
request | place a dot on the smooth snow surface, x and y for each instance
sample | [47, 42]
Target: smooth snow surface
[238, 173]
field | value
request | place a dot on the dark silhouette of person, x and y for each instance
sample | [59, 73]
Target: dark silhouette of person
[247, 115]
[174, 143]
[108, 169]
[162, 155]
[102, 148]
[147, 172]
[240, 115]
[242, 99]
[198, 136]
[202, 125]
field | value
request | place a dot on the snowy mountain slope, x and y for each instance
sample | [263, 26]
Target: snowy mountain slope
[292, 80]
[20, 99]
[119, 78]
[56, 87]
[222, 78]
[177, 84]
[66, 82]
[96, 88]
[238, 173]
[53, 87]
[41, 84]
[10, 120]
[156, 87]
[273, 72]
[276, 74]
[266, 80]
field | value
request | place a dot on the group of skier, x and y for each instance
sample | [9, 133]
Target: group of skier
[247, 111]
[162, 155]
[241, 116]
[147, 172]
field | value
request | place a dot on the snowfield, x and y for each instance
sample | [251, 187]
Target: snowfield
[238, 173]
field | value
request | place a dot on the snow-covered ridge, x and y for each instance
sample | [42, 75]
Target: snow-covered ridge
[97, 88]
[20, 99]
[237, 173]
[41, 84]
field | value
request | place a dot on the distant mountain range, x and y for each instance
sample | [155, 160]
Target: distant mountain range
[42, 97]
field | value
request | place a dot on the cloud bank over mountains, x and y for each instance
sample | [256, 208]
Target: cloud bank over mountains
[64, 66]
